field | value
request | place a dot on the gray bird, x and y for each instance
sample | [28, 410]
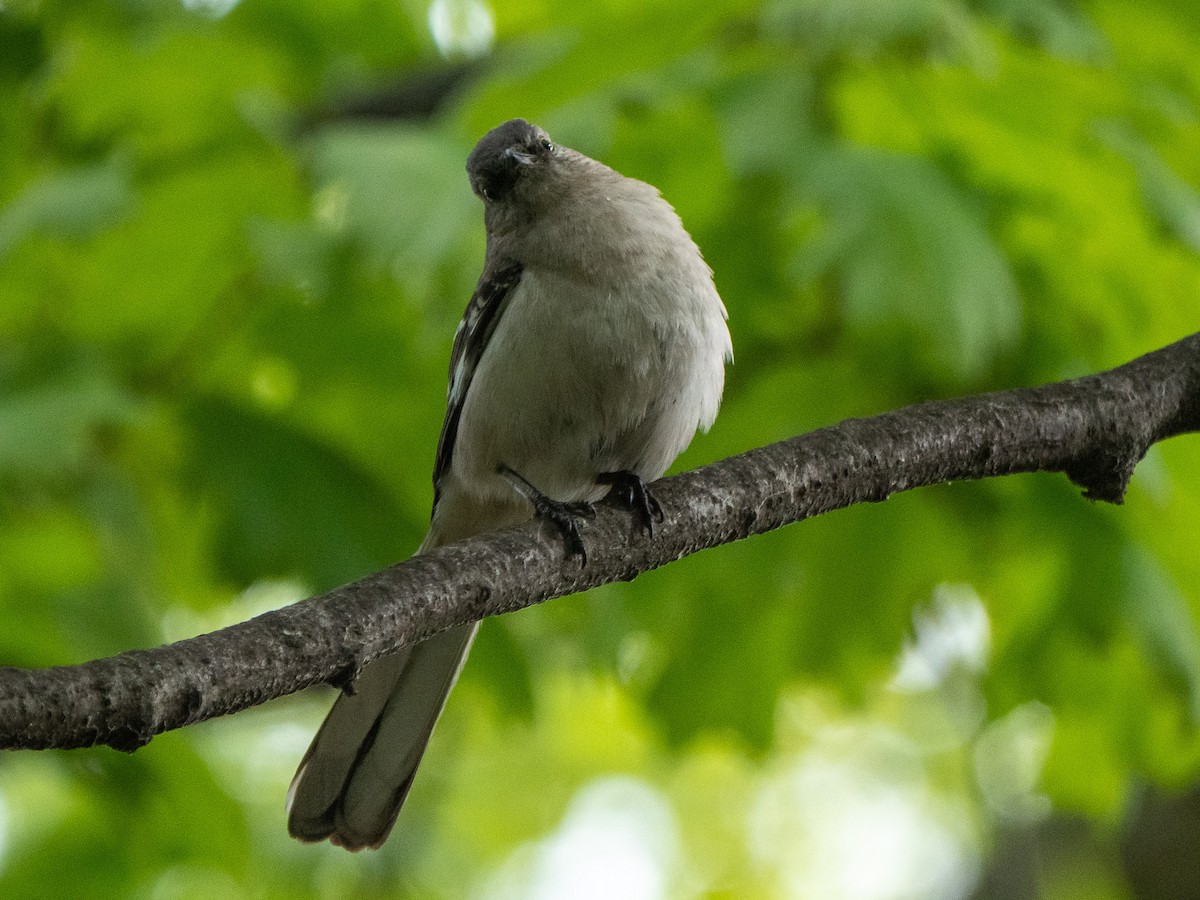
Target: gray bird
[592, 350]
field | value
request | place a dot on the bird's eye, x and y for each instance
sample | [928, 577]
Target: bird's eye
[546, 144]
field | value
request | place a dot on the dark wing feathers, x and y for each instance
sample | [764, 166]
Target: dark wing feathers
[474, 331]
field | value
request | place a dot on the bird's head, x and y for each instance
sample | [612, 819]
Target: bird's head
[509, 160]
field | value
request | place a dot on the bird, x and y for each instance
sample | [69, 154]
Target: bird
[592, 350]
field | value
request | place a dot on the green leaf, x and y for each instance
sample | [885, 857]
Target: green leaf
[906, 248]
[1056, 26]
[1175, 202]
[72, 204]
[289, 503]
[1164, 622]
[400, 193]
[48, 426]
[501, 660]
[866, 28]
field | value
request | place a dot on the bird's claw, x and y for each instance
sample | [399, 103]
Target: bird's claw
[632, 492]
[565, 517]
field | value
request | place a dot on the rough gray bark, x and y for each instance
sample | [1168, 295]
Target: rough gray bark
[1094, 429]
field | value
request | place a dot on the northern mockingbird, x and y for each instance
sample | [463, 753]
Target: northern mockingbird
[592, 350]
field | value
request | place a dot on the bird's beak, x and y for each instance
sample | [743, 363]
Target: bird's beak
[523, 159]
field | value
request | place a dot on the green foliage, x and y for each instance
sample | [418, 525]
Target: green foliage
[226, 306]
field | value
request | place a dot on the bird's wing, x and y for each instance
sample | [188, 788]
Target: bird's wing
[470, 340]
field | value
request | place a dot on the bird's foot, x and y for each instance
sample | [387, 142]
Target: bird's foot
[632, 492]
[563, 515]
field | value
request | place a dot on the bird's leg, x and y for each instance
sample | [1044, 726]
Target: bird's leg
[630, 490]
[562, 515]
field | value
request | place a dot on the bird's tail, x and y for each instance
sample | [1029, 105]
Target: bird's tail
[354, 778]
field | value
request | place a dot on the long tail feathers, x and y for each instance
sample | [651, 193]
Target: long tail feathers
[354, 778]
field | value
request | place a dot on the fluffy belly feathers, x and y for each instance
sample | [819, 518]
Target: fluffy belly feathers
[566, 391]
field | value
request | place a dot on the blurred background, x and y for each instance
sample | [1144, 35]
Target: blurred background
[235, 240]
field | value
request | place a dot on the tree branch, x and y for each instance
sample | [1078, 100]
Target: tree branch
[1095, 429]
